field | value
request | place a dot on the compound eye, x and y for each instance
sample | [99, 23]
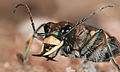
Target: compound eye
[64, 30]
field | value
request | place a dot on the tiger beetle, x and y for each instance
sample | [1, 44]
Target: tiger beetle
[74, 41]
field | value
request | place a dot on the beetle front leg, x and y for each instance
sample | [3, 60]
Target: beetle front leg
[29, 43]
[20, 57]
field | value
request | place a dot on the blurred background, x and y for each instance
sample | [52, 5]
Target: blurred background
[15, 30]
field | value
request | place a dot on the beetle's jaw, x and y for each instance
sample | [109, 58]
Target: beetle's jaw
[53, 49]
[50, 45]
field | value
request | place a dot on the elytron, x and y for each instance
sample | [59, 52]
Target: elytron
[74, 41]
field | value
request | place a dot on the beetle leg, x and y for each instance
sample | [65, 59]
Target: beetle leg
[110, 51]
[56, 53]
[48, 58]
[106, 43]
[116, 65]
[39, 28]
[29, 42]
[91, 42]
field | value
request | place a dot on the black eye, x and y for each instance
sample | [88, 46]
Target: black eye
[65, 29]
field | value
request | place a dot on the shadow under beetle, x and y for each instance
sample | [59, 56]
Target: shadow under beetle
[74, 41]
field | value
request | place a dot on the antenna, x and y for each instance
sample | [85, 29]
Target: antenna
[28, 11]
[84, 19]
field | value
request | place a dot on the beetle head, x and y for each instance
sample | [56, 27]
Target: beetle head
[50, 45]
